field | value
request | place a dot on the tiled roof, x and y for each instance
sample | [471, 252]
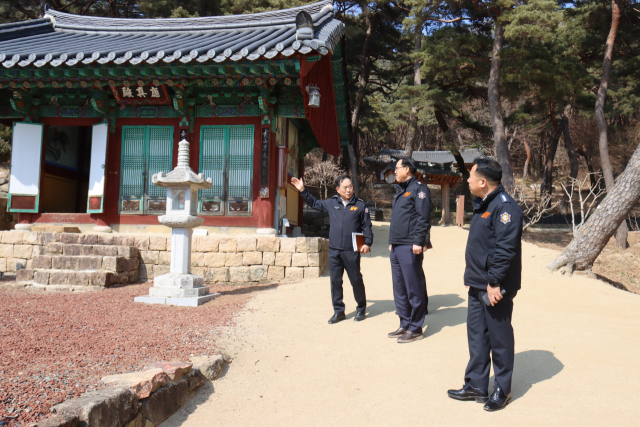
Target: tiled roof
[61, 38]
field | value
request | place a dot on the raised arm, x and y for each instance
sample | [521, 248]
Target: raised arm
[308, 197]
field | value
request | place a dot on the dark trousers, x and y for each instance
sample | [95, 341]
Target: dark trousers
[409, 287]
[338, 262]
[490, 336]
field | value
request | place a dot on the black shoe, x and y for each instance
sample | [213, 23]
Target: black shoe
[410, 337]
[498, 400]
[337, 317]
[398, 333]
[468, 392]
[360, 315]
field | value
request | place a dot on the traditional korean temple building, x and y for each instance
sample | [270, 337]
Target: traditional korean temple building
[434, 168]
[98, 106]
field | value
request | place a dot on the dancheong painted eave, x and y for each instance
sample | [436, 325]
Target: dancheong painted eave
[64, 39]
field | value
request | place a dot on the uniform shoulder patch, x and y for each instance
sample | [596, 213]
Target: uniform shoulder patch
[366, 210]
[422, 195]
[505, 218]
[504, 198]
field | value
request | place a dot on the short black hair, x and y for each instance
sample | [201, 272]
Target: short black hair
[342, 178]
[410, 163]
[489, 169]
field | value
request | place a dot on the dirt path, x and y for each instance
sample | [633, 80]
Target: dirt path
[577, 344]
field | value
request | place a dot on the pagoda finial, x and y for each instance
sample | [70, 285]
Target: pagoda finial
[183, 151]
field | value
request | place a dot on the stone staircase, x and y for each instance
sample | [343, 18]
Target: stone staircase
[80, 267]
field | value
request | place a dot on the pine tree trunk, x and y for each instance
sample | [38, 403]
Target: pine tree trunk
[593, 236]
[552, 147]
[495, 106]
[357, 107]
[526, 163]
[409, 145]
[454, 146]
[573, 160]
[607, 170]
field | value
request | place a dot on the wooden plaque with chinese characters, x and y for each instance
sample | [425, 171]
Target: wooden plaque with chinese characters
[141, 95]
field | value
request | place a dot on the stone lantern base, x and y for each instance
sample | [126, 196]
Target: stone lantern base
[178, 289]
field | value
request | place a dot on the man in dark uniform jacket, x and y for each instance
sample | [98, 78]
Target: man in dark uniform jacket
[493, 272]
[347, 215]
[408, 239]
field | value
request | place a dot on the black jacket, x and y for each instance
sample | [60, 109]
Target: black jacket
[344, 220]
[494, 247]
[411, 214]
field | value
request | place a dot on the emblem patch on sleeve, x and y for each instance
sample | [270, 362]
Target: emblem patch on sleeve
[422, 195]
[366, 210]
[505, 218]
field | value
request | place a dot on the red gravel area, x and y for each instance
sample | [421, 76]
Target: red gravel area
[56, 346]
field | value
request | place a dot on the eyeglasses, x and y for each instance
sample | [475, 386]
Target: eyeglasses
[401, 167]
[349, 187]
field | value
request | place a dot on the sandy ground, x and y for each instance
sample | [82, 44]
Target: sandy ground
[577, 344]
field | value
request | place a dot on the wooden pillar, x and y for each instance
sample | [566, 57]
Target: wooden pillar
[460, 212]
[445, 203]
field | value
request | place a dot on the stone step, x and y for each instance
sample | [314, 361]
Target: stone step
[115, 264]
[185, 302]
[62, 277]
[57, 248]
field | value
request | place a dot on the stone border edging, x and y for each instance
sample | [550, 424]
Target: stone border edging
[138, 399]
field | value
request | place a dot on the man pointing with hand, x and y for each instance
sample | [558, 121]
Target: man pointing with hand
[347, 215]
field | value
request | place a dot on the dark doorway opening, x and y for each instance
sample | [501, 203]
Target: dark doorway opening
[64, 184]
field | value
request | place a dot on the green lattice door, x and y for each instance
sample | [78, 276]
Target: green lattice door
[226, 156]
[146, 150]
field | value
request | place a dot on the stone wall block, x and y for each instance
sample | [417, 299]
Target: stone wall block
[62, 420]
[210, 366]
[268, 258]
[308, 244]
[24, 275]
[252, 258]
[268, 244]
[197, 259]
[80, 279]
[218, 274]
[246, 244]
[157, 243]
[59, 278]
[164, 258]
[207, 243]
[128, 251]
[127, 241]
[311, 272]
[146, 271]
[107, 407]
[199, 271]
[275, 273]
[41, 277]
[14, 264]
[287, 245]
[142, 243]
[101, 278]
[239, 274]
[50, 237]
[13, 237]
[3, 265]
[233, 260]
[103, 250]
[314, 259]
[214, 259]
[88, 239]
[69, 238]
[299, 260]
[73, 250]
[258, 272]
[294, 273]
[159, 270]
[149, 257]
[283, 259]
[6, 250]
[228, 244]
[89, 263]
[105, 239]
[33, 238]
[142, 383]
[42, 261]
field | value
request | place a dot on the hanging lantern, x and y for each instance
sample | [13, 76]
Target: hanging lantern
[314, 96]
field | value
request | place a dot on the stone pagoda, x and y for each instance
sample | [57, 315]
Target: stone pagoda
[179, 286]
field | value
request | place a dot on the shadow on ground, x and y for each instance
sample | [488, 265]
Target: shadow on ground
[532, 367]
[248, 289]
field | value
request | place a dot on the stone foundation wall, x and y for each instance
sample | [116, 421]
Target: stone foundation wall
[216, 258]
